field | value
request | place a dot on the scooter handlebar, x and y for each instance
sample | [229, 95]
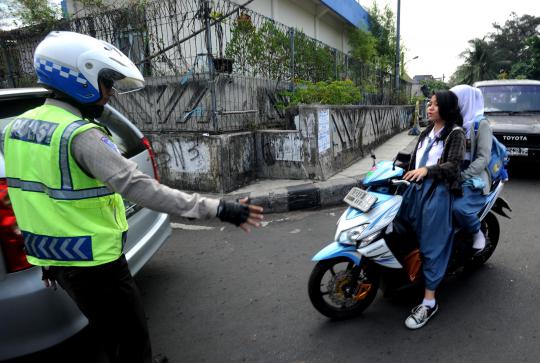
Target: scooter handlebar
[400, 182]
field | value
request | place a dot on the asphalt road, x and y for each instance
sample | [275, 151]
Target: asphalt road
[220, 295]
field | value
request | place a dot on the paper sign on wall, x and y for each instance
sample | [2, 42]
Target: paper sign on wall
[324, 130]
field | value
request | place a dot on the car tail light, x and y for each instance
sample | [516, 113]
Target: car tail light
[11, 239]
[148, 147]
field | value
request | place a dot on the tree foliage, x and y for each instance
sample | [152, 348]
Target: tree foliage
[434, 85]
[96, 7]
[266, 52]
[363, 45]
[378, 45]
[382, 26]
[512, 50]
[18, 13]
[480, 63]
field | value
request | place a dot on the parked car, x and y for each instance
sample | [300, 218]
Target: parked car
[33, 317]
[513, 109]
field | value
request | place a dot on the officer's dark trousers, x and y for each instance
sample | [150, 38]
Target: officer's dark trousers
[108, 297]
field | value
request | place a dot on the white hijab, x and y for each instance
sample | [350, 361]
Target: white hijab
[471, 104]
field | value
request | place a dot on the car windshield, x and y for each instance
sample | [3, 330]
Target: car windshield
[511, 98]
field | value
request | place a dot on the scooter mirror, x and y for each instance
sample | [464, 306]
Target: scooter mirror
[402, 159]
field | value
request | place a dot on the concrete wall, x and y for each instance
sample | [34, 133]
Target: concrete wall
[206, 163]
[285, 155]
[328, 139]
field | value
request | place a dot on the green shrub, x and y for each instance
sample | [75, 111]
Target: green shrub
[325, 93]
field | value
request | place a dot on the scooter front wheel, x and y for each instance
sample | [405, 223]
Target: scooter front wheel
[339, 289]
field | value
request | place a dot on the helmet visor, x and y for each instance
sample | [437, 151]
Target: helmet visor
[127, 85]
[121, 85]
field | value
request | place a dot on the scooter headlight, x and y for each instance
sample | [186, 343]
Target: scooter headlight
[350, 236]
[372, 237]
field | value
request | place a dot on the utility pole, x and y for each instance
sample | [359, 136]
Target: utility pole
[210, 58]
[397, 47]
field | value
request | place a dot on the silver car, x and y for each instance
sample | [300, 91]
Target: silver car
[33, 317]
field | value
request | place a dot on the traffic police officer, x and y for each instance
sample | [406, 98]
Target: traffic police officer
[66, 180]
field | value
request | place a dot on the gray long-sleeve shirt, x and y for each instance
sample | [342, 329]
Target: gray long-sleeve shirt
[121, 175]
[482, 144]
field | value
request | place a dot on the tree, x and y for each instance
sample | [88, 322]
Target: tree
[511, 51]
[510, 40]
[377, 47]
[434, 85]
[363, 45]
[96, 7]
[18, 13]
[481, 63]
[533, 44]
[383, 29]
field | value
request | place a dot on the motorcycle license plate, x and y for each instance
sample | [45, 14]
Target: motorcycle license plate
[360, 199]
[518, 151]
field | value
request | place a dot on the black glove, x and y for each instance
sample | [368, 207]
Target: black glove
[233, 212]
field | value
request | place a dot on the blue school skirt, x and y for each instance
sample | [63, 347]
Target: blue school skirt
[427, 208]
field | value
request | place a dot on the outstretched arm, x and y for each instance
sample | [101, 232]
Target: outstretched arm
[101, 161]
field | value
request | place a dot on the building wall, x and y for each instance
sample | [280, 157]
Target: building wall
[316, 20]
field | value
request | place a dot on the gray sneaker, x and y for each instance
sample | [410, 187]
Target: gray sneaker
[420, 316]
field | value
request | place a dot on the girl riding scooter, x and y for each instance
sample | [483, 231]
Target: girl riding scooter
[427, 206]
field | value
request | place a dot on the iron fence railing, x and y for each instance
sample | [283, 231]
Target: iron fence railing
[192, 51]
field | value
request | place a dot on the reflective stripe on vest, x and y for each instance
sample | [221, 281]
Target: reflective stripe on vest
[58, 193]
[64, 154]
[58, 248]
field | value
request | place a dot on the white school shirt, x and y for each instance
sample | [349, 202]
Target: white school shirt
[436, 150]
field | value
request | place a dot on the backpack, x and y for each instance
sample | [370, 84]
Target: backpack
[498, 160]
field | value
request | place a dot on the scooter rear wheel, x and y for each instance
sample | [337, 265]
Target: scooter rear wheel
[333, 293]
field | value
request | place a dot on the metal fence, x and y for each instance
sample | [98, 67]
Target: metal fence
[213, 66]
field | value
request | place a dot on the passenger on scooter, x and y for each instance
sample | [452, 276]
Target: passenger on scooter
[427, 206]
[474, 177]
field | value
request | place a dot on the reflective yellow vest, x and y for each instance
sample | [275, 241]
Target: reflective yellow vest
[67, 218]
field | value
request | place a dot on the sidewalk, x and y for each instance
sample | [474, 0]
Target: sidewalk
[283, 195]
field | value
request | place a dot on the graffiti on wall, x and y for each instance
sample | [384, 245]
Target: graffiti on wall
[182, 156]
[289, 148]
[347, 128]
[358, 127]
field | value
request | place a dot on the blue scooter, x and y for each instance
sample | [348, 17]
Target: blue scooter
[370, 245]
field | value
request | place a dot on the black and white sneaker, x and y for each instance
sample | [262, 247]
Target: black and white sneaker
[420, 316]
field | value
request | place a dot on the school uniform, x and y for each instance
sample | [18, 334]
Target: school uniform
[427, 206]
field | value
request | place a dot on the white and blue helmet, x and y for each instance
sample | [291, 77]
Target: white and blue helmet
[72, 63]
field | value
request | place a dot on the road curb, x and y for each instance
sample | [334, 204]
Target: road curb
[305, 196]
